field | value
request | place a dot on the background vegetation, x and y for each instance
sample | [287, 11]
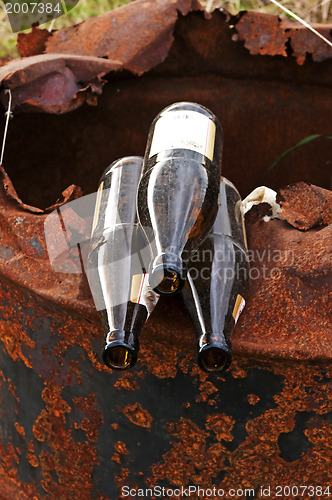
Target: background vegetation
[313, 11]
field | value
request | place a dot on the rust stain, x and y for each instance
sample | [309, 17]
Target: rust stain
[287, 312]
[120, 450]
[76, 59]
[94, 419]
[71, 462]
[304, 205]
[13, 337]
[54, 83]
[188, 453]
[127, 382]
[269, 35]
[110, 35]
[222, 425]
[33, 43]
[31, 455]
[206, 389]
[137, 415]
[20, 429]
[253, 399]
[192, 460]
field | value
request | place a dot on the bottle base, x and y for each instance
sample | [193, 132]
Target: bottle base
[214, 358]
[120, 354]
[166, 279]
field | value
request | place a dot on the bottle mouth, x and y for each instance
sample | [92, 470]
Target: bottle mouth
[120, 354]
[214, 358]
[166, 279]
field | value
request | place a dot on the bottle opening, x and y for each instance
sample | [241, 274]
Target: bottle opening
[118, 357]
[213, 359]
[165, 280]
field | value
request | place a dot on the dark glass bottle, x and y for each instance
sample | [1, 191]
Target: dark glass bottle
[178, 192]
[217, 284]
[118, 258]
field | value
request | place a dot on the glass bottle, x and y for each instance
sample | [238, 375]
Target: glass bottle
[217, 284]
[178, 191]
[117, 262]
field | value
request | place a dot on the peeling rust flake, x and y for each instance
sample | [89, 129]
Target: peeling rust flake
[138, 34]
[304, 205]
[266, 34]
[54, 83]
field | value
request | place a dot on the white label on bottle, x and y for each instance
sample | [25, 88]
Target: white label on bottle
[142, 293]
[184, 130]
[238, 308]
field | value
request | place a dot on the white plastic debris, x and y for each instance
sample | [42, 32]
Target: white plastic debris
[262, 194]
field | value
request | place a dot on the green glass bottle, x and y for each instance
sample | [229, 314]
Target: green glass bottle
[217, 284]
[178, 191]
[117, 262]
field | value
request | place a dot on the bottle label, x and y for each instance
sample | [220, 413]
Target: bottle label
[238, 308]
[142, 293]
[184, 130]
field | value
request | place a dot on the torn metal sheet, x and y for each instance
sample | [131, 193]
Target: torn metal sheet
[32, 43]
[304, 205]
[54, 83]
[287, 313]
[270, 35]
[138, 34]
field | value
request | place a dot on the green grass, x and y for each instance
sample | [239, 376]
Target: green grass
[313, 11]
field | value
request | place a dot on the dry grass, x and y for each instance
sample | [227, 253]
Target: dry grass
[312, 11]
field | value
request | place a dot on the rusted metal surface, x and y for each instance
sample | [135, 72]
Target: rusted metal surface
[109, 38]
[138, 34]
[32, 43]
[305, 206]
[293, 276]
[55, 83]
[269, 35]
[68, 426]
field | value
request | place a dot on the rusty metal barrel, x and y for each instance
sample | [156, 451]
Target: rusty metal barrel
[83, 97]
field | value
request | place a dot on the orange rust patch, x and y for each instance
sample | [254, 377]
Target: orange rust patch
[191, 460]
[137, 415]
[31, 457]
[221, 425]
[253, 399]
[127, 382]
[119, 450]
[186, 455]
[206, 389]
[94, 419]
[13, 337]
[121, 478]
[71, 462]
[20, 429]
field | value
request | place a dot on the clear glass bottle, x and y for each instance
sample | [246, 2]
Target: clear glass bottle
[178, 191]
[217, 284]
[117, 262]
